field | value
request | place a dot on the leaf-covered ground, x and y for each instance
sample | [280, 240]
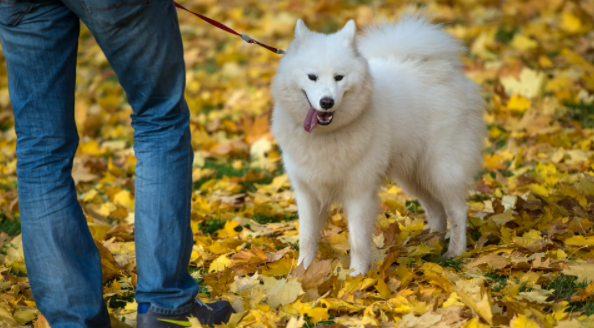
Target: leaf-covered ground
[530, 260]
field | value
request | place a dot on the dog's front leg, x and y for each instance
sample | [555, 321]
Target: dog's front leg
[362, 210]
[312, 216]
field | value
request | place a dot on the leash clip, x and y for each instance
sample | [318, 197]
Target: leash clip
[225, 28]
[247, 38]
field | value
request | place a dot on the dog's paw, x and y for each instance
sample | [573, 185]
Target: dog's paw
[450, 254]
[359, 269]
[356, 272]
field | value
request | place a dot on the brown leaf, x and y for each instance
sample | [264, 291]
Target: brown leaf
[122, 230]
[490, 261]
[498, 206]
[219, 281]
[388, 261]
[558, 228]
[279, 254]
[298, 272]
[110, 269]
[539, 263]
[41, 322]
[527, 205]
[390, 234]
[250, 256]
[315, 274]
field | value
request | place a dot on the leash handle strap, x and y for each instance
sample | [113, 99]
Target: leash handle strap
[223, 27]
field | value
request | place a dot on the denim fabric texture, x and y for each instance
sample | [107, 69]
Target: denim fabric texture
[142, 42]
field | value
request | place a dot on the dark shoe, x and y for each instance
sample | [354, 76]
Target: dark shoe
[208, 314]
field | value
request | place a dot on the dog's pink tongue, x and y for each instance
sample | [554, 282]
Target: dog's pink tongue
[311, 120]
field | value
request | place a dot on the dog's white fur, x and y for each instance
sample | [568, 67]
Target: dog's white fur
[404, 110]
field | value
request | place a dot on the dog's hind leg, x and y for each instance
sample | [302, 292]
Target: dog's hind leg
[312, 217]
[434, 210]
[449, 187]
[436, 214]
[456, 210]
[362, 210]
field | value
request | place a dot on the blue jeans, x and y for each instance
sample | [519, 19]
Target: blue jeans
[142, 42]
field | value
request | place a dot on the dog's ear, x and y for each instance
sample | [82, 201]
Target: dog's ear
[348, 31]
[300, 29]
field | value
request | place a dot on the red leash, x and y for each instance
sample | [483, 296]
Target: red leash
[226, 28]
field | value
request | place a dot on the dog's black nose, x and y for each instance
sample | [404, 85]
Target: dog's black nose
[326, 102]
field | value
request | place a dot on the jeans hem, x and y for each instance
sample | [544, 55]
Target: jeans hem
[181, 310]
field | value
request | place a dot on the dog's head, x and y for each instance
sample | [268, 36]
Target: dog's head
[322, 79]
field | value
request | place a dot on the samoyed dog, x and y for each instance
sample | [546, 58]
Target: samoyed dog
[354, 110]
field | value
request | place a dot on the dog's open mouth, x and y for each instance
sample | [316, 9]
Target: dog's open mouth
[324, 118]
[315, 117]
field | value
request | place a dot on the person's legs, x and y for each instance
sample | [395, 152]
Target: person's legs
[143, 45]
[39, 41]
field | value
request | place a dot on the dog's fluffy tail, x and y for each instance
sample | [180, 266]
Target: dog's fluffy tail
[412, 36]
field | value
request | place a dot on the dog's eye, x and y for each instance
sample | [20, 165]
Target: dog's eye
[338, 77]
[312, 77]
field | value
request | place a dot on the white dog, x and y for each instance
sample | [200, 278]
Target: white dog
[351, 111]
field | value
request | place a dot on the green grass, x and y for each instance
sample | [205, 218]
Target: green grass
[223, 169]
[582, 112]
[210, 66]
[567, 286]
[211, 226]
[505, 35]
[586, 307]
[414, 206]
[523, 288]
[11, 226]
[480, 197]
[250, 186]
[263, 219]
[17, 273]
[309, 324]
[444, 263]
[475, 234]
[202, 289]
[498, 281]
[5, 125]
[120, 301]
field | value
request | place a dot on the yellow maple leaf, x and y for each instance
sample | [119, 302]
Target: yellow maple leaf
[241, 284]
[518, 103]
[124, 198]
[295, 322]
[570, 23]
[228, 230]
[219, 264]
[98, 229]
[583, 271]
[281, 292]
[522, 321]
[522, 42]
[453, 300]
[545, 62]
[580, 240]
[474, 323]
[482, 307]
[529, 84]
[281, 267]
[493, 162]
